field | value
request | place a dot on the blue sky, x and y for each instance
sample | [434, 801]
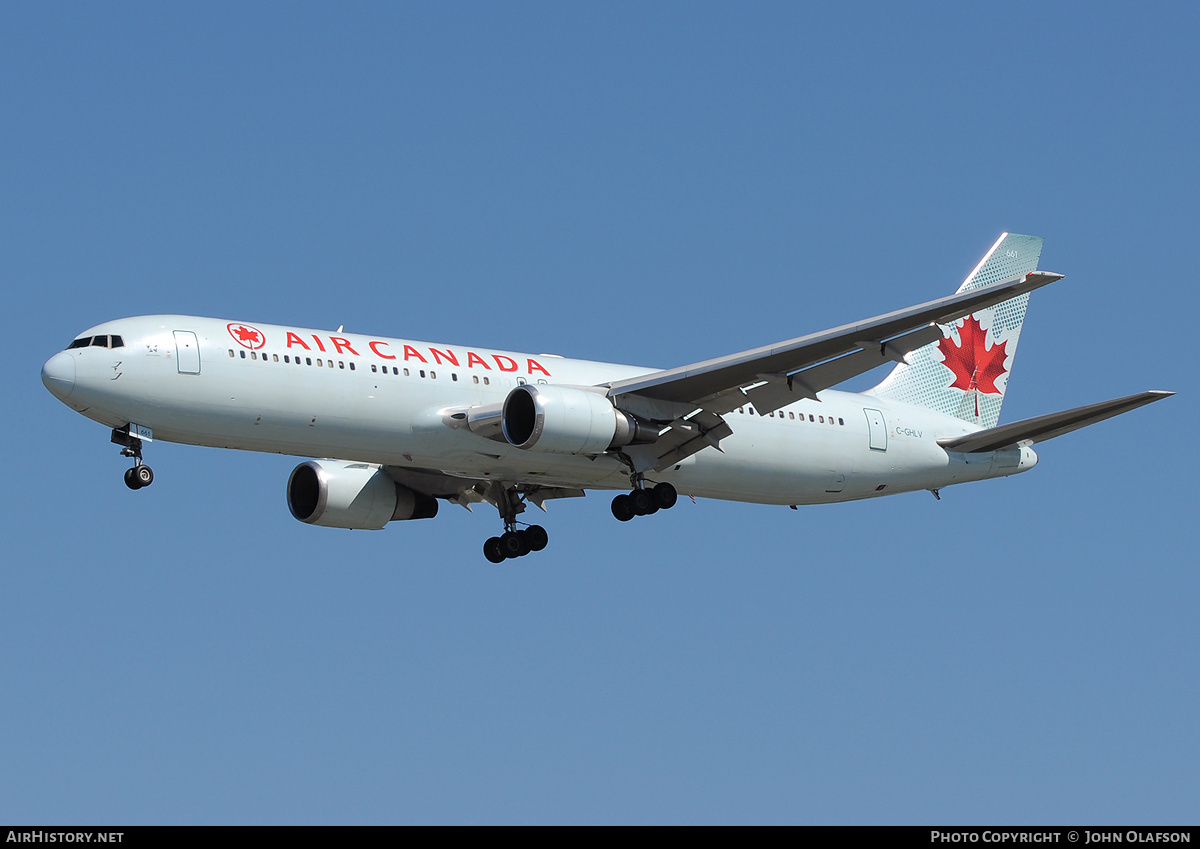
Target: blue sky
[655, 184]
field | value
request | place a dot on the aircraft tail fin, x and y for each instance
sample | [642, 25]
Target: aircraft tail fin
[965, 374]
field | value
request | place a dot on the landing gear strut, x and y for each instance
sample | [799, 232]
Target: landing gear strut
[642, 501]
[514, 542]
[140, 475]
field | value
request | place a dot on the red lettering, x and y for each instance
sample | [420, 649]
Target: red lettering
[293, 338]
[318, 341]
[374, 347]
[473, 358]
[410, 351]
[534, 364]
[512, 364]
[339, 344]
[449, 355]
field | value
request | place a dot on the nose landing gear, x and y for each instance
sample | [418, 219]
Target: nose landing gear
[139, 476]
[131, 446]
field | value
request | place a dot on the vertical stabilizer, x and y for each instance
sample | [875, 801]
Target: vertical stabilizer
[966, 373]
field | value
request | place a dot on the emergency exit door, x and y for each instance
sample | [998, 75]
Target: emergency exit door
[187, 352]
[878, 430]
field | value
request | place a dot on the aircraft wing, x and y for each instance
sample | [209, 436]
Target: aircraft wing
[1041, 428]
[689, 401]
[468, 491]
[776, 375]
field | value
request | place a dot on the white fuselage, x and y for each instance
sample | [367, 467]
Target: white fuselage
[387, 401]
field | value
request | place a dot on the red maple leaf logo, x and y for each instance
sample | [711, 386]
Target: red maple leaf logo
[975, 366]
[247, 337]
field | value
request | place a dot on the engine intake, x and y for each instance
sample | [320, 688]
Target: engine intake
[353, 495]
[568, 420]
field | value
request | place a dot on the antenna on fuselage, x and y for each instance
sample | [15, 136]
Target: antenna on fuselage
[340, 326]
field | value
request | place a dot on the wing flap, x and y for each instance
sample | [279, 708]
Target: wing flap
[1041, 428]
[779, 391]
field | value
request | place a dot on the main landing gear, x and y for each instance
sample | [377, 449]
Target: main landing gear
[514, 542]
[140, 475]
[642, 501]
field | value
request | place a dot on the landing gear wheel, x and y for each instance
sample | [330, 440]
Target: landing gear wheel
[513, 545]
[143, 475]
[130, 480]
[643, 502]
[536, 537]
[491, 550]
[622, 508]
[665, 496]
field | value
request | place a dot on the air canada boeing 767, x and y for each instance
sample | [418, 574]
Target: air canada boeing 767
[407, 424]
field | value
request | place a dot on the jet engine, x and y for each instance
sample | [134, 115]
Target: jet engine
[568, 420]
[352, 495]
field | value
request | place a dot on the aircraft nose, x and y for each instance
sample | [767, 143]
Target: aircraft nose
[59, 375]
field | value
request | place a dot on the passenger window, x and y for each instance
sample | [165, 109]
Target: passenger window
[822, 419]
[792, 416]
[406, 374]
[286, 359]
[520, 381]
[253, 355]
[454, 376]
[433, 375]
[331, 363]
[341, 364]
[320, 363]
[231, 352]
[422, 372]
[351, 366]
[275, 357]
[243, 353]
[810, 417]
[309, 360]
[374, 369]
[840, 422]
[475, 378]
[486, 381]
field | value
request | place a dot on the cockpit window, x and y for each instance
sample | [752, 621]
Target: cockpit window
[98, 342]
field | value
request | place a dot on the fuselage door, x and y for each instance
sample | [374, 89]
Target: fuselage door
[187, 352]
[878, 430]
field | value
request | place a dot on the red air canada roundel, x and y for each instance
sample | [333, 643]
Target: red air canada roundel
[247, 336]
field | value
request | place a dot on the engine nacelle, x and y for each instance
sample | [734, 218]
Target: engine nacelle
[352, 495]
[567, 420]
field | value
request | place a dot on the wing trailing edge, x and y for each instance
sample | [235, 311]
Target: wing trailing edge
[1041, 428]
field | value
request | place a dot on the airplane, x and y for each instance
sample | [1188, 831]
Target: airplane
[405, 425]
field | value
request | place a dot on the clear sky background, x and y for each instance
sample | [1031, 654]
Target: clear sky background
[646, 183]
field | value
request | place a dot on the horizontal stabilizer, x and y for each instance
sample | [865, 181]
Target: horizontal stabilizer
[1041, 428]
